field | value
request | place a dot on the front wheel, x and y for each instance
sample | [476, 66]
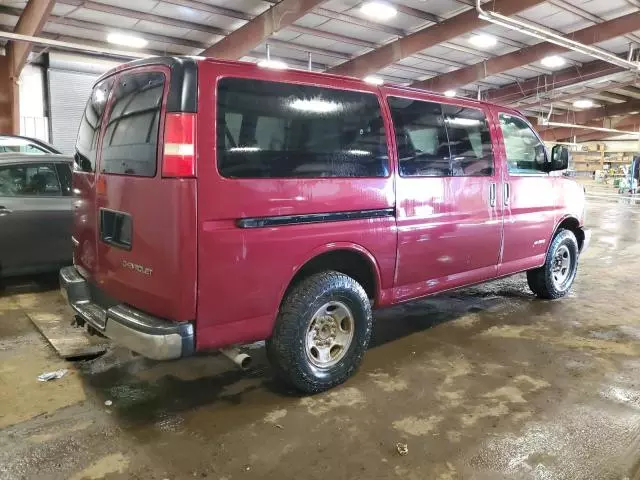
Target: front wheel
[321, 333]
[555, 278]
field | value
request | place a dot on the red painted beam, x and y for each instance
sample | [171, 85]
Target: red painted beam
[631, 123]
[493, 66]
[241, 41]
[546, 83]
[585, 116]
[427, 37]
[33, 18]
[555, 97]
[31, 21]
[9, 113]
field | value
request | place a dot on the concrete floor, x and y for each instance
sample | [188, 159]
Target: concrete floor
[483, 383]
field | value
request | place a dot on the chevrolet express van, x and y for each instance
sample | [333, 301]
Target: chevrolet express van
[218, 203]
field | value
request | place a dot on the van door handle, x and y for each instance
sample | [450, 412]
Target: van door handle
[492, 195]
[4, 211]
[507, 193]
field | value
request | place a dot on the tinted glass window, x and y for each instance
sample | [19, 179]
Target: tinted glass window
[525, 151]
[25, 148]
[31, 149]
[278, 130]
[89, 130]
[64, 175]
[469, 141]
[130, 142]
[29, 180]
[421, 138]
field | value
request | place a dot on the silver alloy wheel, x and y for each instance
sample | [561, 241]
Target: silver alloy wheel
[329, 334]
[561, 268]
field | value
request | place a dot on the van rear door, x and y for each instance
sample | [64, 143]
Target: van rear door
[144, 220]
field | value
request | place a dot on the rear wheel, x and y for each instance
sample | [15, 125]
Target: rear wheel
[555, 278]
[321, 333]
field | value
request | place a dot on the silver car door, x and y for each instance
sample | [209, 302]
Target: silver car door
[32, 220]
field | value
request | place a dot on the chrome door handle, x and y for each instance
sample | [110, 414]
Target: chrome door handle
[507, 193]
[492, 195]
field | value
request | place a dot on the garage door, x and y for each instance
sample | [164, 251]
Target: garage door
[68, 94]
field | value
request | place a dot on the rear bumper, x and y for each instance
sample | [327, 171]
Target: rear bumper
[149, 336]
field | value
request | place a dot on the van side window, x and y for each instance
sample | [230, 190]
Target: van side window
[469, 141]
[130, 143]
[525, 152]
[280, 130]
[421, 138]
[89, 131]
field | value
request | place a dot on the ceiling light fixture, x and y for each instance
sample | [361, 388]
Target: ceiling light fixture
[126, 40]
[552, 37]
[553, 61]
[273, 64]
[373, 80]
[585, 103]
[450, 93]
[483, 40]
[378, 10]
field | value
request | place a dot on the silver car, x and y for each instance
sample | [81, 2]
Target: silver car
[35, 213]
[20, 144]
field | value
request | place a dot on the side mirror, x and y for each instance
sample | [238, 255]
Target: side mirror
[559, 158]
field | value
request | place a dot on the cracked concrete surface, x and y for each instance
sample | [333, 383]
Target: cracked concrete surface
[481, 383]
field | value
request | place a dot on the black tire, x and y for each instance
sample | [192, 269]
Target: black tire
[541, 280]
[287, 347]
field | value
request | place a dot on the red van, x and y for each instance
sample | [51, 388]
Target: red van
[219, 203]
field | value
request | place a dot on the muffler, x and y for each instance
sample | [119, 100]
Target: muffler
[236, 356]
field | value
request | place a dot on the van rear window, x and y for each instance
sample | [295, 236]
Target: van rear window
[89, 131]
[130, 142]
[280, 130]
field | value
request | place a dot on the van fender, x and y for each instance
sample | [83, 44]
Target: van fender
[555, 230]
[333, 247]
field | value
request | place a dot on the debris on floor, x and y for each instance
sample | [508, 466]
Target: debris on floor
[45, 377]
[402, 449]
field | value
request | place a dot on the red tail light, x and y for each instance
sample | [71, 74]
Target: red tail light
[179, 156]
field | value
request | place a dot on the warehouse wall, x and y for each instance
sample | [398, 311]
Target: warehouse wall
[33, 116]
[70, 79]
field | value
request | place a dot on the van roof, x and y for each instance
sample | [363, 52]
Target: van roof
[182, 61]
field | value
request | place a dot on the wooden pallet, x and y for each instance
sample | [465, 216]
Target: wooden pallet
[52, 317]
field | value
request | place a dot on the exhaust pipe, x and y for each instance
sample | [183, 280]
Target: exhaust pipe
[236, 356]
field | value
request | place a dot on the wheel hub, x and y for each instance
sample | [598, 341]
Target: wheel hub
[561, 267]
[329, 334]
[324, 332]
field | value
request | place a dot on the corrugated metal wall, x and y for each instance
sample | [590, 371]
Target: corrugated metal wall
[70, 78]
[68, 94]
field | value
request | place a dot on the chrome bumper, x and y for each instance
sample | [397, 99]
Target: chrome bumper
[149, 336]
